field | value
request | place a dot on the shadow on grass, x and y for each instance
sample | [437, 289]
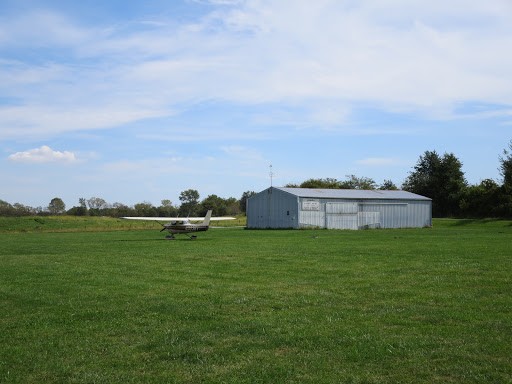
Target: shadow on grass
[161, 239]
[464, 222]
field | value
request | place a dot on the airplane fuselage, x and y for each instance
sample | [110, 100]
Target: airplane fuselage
[185, 228]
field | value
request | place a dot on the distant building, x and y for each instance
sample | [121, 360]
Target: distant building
[337, 209]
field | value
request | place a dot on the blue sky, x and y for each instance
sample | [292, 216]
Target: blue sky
[137, 101]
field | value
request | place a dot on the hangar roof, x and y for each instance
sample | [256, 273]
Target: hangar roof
[352, 194]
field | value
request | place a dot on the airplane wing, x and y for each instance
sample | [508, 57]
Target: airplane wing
[176, 218]
[150, 218]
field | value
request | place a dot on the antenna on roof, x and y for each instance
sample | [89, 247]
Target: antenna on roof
[271, 174]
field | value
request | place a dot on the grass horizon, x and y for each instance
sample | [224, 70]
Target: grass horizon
[306, 306]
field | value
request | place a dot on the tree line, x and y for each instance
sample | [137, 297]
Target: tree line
[190, 205]
[439, 177]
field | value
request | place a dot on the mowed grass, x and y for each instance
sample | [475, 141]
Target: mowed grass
[85, 224]
[245, 306]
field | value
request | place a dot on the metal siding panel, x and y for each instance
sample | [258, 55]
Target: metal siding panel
[400, 214]
[369, 220]
[257, 208]
[392, 213]
[348, 221]
[340, 208]
[312, 219]
[281, 208]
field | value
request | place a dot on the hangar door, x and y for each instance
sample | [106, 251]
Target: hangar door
[341, 215]
[347, 216]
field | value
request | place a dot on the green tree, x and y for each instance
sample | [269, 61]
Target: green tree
[452, 185]
[56, 206]
[166, 209]
[145, 209]
[243, 200]
[233, 206]
[441, 179]
[96, 205]
[506, 168]
[327, 183]
[483, 200]
[80, 210]
[6, 209]
[215, 203]
[354, 182]
[120, 210]
[22, 210]
[423, 179]
[189, 202]
[388, 185]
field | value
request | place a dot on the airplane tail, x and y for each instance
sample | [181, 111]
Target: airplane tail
[207, 218]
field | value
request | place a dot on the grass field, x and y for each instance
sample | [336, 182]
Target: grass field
[240, 306]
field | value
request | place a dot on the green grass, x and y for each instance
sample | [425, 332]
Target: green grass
[85, 223]
[239, 306]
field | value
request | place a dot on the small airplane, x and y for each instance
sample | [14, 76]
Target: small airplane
[181, 226]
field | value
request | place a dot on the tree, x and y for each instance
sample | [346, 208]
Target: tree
[506, 168]
[96, 203]
[354, 182]
[56, 206]
[6, 209]
[451, 184]
[327, 183]
[483, 200]
[422, 180]
[243, 200]
[233, 206]
[215, 203]
[166, 209]
[80, 210]
[120, 210]
[145, 209]
[22, 210]
[189, 202]
[388, 185]
[441, 179]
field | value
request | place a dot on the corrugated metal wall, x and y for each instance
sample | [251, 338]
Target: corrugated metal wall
[400, 214]
[273, 208]
[365, 214]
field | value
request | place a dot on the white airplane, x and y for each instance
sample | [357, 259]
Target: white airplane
[177, 225]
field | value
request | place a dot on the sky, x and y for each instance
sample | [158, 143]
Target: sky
[137, 101]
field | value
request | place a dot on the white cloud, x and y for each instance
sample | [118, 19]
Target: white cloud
[324, 57]
[43, 154]
[41, 28]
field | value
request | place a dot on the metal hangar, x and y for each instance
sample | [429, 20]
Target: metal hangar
[277, 207]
